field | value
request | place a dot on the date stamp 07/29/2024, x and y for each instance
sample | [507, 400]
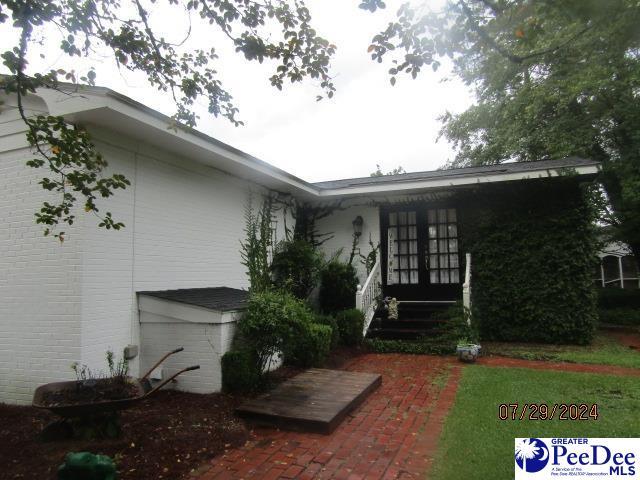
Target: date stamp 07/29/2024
[543, 411]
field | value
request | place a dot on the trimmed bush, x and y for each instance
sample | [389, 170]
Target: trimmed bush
[620, 316]
[338, 285]
[618, 298]
[330, 322]
[296, 267]
[239, 372]
[533, 252]
[310, 348]
[351, 326]
[271, 319]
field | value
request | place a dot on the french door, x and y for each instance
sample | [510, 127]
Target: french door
[421, 257]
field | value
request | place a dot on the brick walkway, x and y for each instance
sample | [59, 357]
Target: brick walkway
[394, 434]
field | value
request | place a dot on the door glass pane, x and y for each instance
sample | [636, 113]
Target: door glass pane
[443, 257]
[455, 276]
[404, 266]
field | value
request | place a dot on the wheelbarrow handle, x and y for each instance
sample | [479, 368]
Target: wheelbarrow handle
[177, 350]
[163, 383]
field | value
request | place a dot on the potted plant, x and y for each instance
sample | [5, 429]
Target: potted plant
[467, 351]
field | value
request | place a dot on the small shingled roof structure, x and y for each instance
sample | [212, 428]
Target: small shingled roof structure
[222, 299]
[510, 167]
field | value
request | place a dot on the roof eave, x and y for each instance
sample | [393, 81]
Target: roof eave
[399, 186]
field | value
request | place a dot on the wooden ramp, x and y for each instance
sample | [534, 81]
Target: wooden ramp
[314, 401]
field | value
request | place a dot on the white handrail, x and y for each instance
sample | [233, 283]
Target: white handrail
[367, 295]
[466, 288]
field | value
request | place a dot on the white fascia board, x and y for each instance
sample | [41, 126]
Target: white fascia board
[182, 311]
[444, 182]
[92, 104]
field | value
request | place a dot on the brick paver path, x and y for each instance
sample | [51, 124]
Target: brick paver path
[393, 434]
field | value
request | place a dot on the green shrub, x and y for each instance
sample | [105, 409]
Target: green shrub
[533, 252]
[455, 326]
[417, 347]
[296, 267]
[239, 372]
[310, 347]
[271, 319]
[620, 316]
[618, 298]
[338, 285]
[330, 322]
[351, 326]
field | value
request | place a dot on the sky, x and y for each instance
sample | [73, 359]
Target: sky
[367, 122]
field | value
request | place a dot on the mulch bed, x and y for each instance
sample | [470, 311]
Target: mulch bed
[166, 436]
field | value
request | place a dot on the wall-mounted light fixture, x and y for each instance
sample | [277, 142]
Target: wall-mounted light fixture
[357, 226]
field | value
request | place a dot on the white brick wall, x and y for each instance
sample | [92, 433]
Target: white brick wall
[204, 344]
[72, 302]
[39, 277]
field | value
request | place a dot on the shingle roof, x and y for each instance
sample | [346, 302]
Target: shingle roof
[512, 167]
[216, 298]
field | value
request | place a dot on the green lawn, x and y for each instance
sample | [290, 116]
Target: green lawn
[604, 350]
[475, 444]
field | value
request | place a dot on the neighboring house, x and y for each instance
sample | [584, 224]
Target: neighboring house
[184, 216]
[618, 267]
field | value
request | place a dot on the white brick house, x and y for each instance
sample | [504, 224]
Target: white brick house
[183, 212]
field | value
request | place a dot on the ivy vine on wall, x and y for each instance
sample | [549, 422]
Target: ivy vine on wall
[533, 252]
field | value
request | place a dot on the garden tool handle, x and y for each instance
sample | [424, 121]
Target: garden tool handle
[164, 382]
[177, 350]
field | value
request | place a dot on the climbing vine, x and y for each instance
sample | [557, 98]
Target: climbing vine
[533, 255]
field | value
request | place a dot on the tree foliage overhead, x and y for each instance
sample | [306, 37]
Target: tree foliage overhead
[277, 30]
[552, 79]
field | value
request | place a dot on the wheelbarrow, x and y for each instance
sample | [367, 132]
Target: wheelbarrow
[142, 386]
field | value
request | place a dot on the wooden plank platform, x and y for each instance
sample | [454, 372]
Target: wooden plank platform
[316, 400]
